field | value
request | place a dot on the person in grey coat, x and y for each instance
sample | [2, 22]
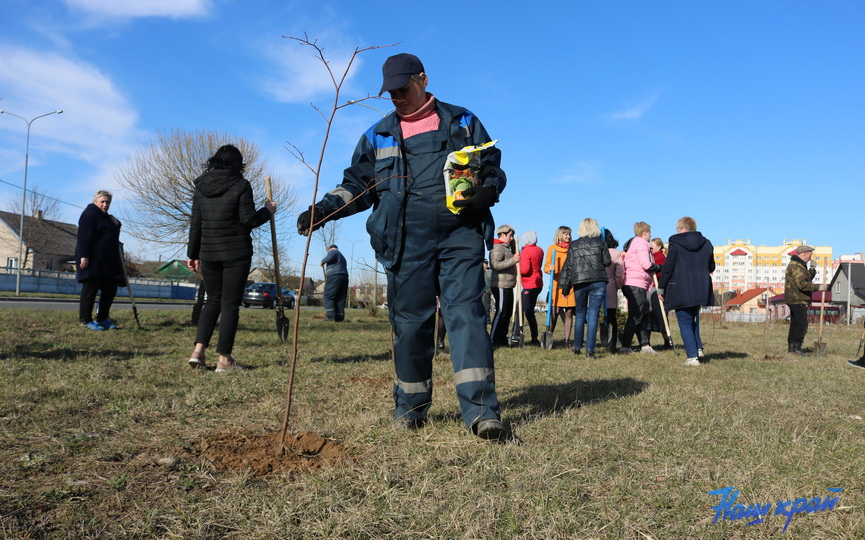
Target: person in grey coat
[686, 284]
[504, 263]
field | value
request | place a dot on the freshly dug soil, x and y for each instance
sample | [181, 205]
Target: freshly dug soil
[259, 453]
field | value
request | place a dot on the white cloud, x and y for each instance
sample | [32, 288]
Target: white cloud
[97, 123]
[579, 173]
[632, 112]
[143, 8]
[298, 76]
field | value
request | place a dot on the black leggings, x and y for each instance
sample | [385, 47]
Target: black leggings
[530, 300]
[638, 315]
[610, 330]
[224, 283]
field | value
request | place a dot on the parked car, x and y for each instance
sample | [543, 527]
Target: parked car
[264, 295]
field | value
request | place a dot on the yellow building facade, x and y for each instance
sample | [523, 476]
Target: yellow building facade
[740, 266]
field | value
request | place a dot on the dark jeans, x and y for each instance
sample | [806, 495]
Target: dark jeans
[335, 291]
[638, 315]
[224, 283]
[589, 298]
[530, 300]
[689, 327]
[89, 288]
[502, 318]
[798, 323]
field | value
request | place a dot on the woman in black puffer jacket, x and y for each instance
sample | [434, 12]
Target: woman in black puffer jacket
[585, 273]
[220, 245]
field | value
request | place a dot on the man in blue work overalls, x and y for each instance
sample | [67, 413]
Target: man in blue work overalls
[397, 169]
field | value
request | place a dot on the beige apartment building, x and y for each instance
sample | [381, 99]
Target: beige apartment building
[740, 266]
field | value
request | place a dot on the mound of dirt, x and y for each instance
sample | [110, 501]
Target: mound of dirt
[259, 453]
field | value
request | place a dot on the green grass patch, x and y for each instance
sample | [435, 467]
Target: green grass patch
[99, 432]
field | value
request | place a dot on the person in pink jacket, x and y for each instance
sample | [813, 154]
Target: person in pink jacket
[639, 267]
[531, 279]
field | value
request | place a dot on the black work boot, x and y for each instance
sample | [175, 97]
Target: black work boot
[796, 348]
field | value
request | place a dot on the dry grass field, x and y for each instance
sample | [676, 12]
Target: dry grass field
[111, 435]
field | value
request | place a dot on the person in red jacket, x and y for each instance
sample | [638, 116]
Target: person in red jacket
[659, 255]
[532, 280]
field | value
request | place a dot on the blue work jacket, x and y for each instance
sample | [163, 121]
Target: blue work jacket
[379, 177]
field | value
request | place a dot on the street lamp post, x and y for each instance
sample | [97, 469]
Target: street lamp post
[24, 194]
[352, 276]
[375, 272]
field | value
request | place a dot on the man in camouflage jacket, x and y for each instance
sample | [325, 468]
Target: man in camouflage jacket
[798, 287]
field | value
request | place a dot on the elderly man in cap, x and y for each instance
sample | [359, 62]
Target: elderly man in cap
[335, 284]
[798, 287]
[426, 249]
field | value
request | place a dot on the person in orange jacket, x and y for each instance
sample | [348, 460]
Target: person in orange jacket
[564, 305]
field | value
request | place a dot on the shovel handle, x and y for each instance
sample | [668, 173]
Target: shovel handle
[550, 296]
[663, 309]
[269, 194]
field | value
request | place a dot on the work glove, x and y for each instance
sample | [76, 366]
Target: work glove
[477, 198]
[306, 218]
[812, 272]
[654, 269]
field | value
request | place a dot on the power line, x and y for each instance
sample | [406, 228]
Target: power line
[42, 194]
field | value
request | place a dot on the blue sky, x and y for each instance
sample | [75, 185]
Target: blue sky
[747, 116]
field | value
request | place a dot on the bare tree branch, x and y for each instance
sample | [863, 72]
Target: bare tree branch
[159, 181]
[337, 87]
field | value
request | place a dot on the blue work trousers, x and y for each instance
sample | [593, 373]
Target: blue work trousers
[442, 255]
[335, 291]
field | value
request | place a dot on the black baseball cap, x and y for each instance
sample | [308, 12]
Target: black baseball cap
[398, 69]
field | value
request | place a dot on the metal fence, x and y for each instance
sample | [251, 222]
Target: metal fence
[51, 282]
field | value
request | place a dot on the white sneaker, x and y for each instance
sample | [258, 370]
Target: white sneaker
[692, 362]
[648, 349]
[700, 353]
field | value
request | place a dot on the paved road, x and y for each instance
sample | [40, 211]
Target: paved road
[59, 304]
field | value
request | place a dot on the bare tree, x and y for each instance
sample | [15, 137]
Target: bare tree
[35, 200]
[160, 177]
[328, 233]
[39, 211]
